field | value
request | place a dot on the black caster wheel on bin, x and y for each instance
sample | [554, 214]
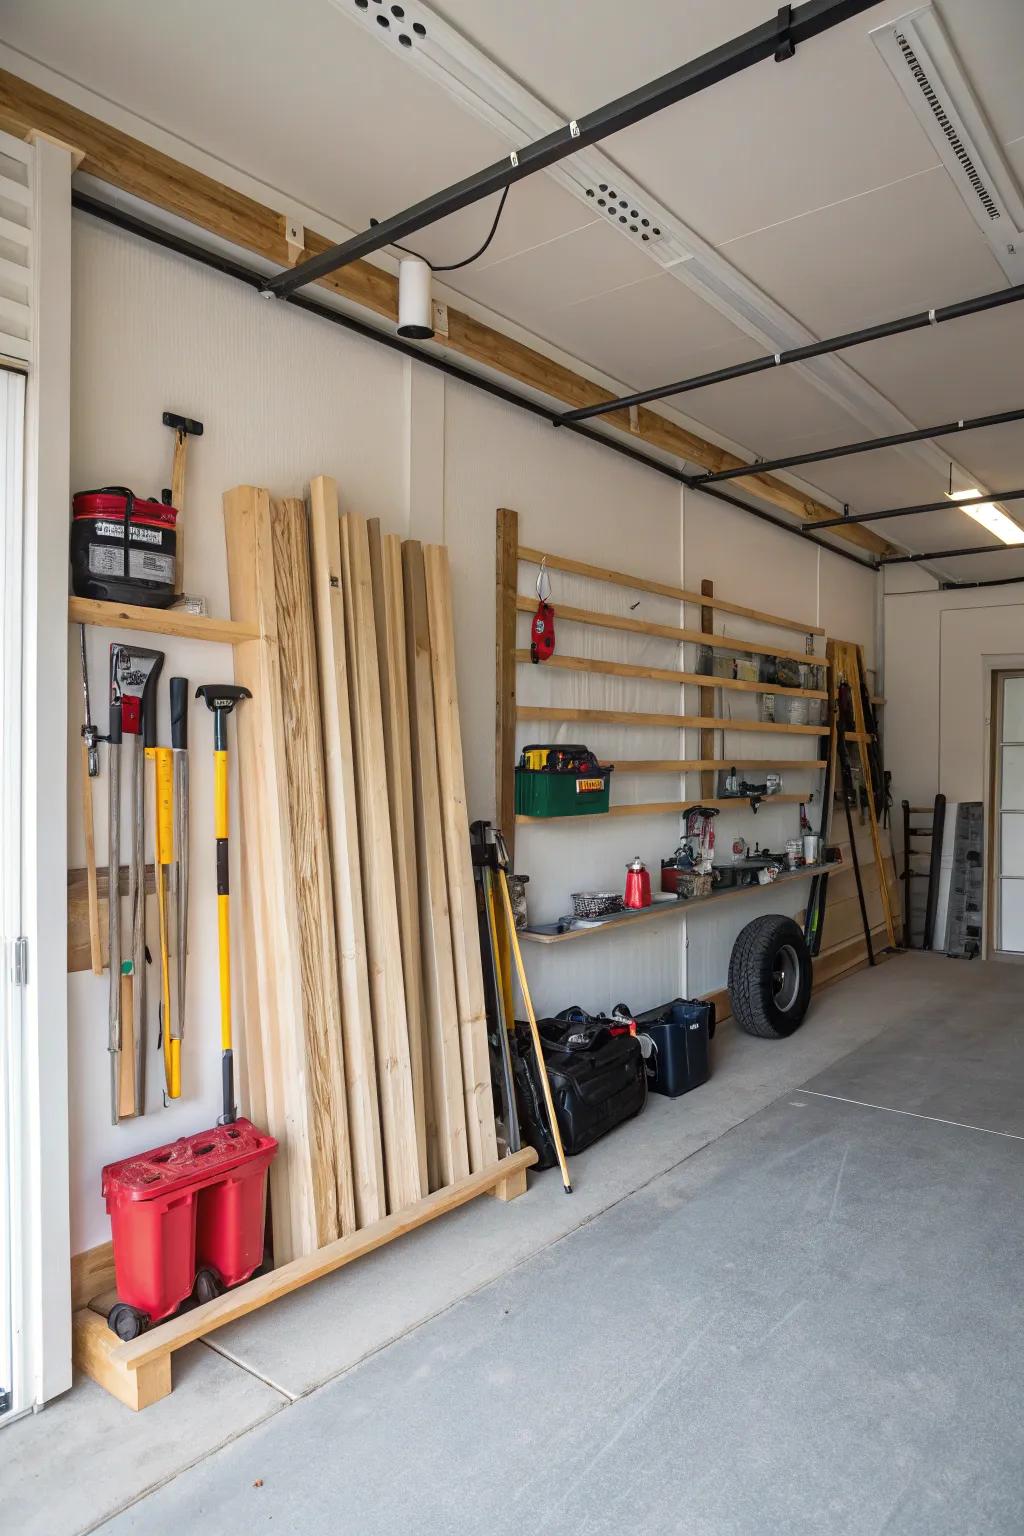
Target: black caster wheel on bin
[127, 1322]
[207, 1286]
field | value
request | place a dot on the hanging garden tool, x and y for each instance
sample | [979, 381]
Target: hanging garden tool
[542, 627]
[183, 428]
[115, 1017]
[163, 854]
[90, 770]
[221, 699]
[501, 855]
[179, 750]
[485, 867]
[134, 674]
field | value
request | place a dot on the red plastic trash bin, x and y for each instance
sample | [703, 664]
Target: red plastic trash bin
[197, 1202]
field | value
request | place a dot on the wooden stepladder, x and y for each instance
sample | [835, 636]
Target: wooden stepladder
[848, 667]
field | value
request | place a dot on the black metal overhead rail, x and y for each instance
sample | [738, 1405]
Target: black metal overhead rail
[227, 266]
[776, 38]
[867, 445]
[916, 322]
[922, 506]
[949, 554]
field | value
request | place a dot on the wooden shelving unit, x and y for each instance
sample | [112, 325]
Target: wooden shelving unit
[664, 807]
[159, 621]
[547, 933]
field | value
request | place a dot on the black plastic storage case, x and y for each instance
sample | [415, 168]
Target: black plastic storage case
[678, 1058]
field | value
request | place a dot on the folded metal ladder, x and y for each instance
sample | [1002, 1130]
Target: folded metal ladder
[930, 834]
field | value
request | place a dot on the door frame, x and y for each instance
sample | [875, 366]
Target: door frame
[999, 668]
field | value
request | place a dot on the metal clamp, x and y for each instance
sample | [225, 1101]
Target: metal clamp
[785, 47]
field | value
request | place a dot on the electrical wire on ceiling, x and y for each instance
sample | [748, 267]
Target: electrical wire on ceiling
[467, 261]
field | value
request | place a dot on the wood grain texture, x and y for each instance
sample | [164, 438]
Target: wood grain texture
[506, 579]
[126, 163]
[92, 892]
[157, 621]
[343, 823]
[94, 1351]
[307, 809]
[570, 615]
[664, 807]
[435, 918]
[380, 899]
[389, 617]
[706, 694]
[92, 1272]
[695, 764]
[469, 981]
[274, 1030]
[663, 589]
[79, 933]
[705, 681]
[634, 717]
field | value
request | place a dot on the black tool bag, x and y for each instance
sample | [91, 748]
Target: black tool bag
[597, 1080]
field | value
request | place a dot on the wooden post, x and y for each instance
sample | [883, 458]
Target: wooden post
[343, 824]
[506, 583]
[707, 697]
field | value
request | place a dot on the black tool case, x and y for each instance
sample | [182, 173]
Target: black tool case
[677, 1058]
[596, 1085]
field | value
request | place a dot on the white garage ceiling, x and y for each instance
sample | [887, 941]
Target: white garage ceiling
[812, 179]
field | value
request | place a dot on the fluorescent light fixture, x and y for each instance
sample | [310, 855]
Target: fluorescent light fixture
[988, 515]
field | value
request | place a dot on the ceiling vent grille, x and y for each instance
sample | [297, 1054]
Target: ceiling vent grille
[928, 72]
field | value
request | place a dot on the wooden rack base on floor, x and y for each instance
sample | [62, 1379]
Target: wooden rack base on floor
[139, 1373]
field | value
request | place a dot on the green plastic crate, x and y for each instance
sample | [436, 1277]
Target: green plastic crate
[540, 793]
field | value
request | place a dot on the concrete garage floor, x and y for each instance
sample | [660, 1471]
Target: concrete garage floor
[788, 1302]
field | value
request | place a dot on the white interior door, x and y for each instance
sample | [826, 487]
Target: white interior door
[1010, 813]
[12, 513]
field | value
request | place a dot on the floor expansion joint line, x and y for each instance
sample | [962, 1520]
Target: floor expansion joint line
[268, 1381]
[960, 1125]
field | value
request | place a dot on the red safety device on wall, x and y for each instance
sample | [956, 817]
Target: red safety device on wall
[542, 633]
[638, 885]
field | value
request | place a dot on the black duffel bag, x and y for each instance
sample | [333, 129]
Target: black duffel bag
[597, 1080]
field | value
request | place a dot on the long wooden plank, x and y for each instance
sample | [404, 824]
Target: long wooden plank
[695, 764]
[669, 632]
[311, 872]
[389, 615]
[189, 1326]
[662, 589]
[343, 825]
[663, 807]
[134, 167]
[158, 621]
[273, 1030]
[706, 694]
[380, 899]
[643, 718]
[435, 917]
[506, 573]
[706, 682]
[469, 981]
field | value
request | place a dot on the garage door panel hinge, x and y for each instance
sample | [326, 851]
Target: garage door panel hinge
[19, 962]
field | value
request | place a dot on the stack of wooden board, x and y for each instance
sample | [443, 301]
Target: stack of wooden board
[365, 1028]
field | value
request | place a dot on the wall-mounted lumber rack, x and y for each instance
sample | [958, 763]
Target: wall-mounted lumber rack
[159, 621]
[669, 675]
[665, 807]
[702, 764]
[670, 632]
[547, 933]
[635, 717]
[661, 589]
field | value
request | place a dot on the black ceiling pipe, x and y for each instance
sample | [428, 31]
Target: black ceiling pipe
[228, 267]
[867, 445]
[949, 554]
[995, 581]
[775, 38]
[920, 321]
[922, 506]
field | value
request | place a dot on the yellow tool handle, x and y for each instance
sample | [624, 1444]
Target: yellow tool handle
[164, 804]
[220, 794]
[220, 828]
[224, 947]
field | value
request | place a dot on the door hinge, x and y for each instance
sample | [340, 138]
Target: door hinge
[19, 965]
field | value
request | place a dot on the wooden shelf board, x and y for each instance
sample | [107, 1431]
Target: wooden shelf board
[668, 675]
[159, 621]
[545, 933]
[699, 764]
[639, 718]
[664, 807]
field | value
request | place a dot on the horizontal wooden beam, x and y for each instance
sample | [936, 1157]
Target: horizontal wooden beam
[132, 166]
[159, 621]
[699, 764]
[675, 722]
[665, 807]
[667, 675]
[662, 589]
[670, 632]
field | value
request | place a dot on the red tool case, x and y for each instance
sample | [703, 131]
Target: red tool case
[194, 1204]
[123, 547]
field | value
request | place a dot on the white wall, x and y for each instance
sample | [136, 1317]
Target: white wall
[284, 396]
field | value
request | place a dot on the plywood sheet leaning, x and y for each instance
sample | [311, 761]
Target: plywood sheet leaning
[343, 826]
[435, 922]
[303, 1186]
[380, 902]
[469, 984]
[389, 614]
